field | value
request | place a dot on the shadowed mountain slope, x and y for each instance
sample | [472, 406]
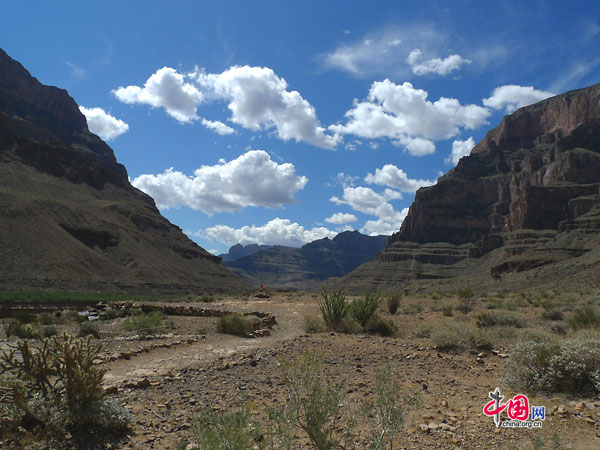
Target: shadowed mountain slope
[69, 218]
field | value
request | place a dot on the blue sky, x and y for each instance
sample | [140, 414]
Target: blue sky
[282, 122]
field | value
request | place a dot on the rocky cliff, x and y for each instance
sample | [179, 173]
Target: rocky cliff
[536, 175]
[70, 219]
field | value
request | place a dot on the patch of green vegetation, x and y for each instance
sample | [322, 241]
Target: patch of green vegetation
[393, 302]
[147, 324]
[362, 309]
[587, 317]
[238, 324]
[333, 307]
[502, 318]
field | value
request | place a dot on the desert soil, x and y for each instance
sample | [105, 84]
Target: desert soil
[166, 382]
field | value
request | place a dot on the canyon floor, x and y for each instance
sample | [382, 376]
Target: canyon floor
[168, 381]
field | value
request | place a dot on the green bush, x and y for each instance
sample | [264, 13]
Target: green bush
[381, 326]
[587, 317]
[58, 388]
[412, 308]
[237, 324]
[349, 325]
[448, 311]
[24, 317]
[315, 403]
[570, 366]
[501, 318]
[393, 302]
[446, 337]
[466, 300]
[48, 331]
[225, 431]
[333, 307]
[423, 330]
[362, 309]
[553, 314]
[47, 319]
[89, 329]
[74, 316]
[147, 324]
[112, 313]
[15, 328]
[313, 324]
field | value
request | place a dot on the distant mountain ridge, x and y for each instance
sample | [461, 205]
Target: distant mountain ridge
[69, 218]
[238, 251]
[307, 266]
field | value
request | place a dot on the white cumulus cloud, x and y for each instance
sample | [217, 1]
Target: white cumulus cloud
[460, 149]
[392, 176]
[367, 201]
[510, 97]
[103, 124]
[341, 219]
[275, 232]
[421, 66]
[403, 114]
[252, 179]
[218, 127]
[165, 89]
[259, 99]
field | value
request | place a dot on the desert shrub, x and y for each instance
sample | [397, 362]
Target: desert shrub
[362, 309]
[113, 313]
[349, 325]
[15, 328]
[333, 307]
[446, 337]
[558, 327]
[228, 430]
[74, 316]
[48, 331]
[206, 298]
[314, 402]
[571, 366]
[47, 319]
[89, 329]
[393, 302]
[553, 314]
[381, 326]
[387, 411]
[237, 324]
[58, 388]
[412, 308]
[476, 338]
[586, 317]
[423, 330]
[466, 300]
[24, 317]
[448, 311]
[502, 318]
[313, 324]
[147, 324]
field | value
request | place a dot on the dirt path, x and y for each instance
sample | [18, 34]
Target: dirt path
[162, 361]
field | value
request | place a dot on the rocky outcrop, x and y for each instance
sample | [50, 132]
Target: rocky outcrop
[69, 218]
[539, 171]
